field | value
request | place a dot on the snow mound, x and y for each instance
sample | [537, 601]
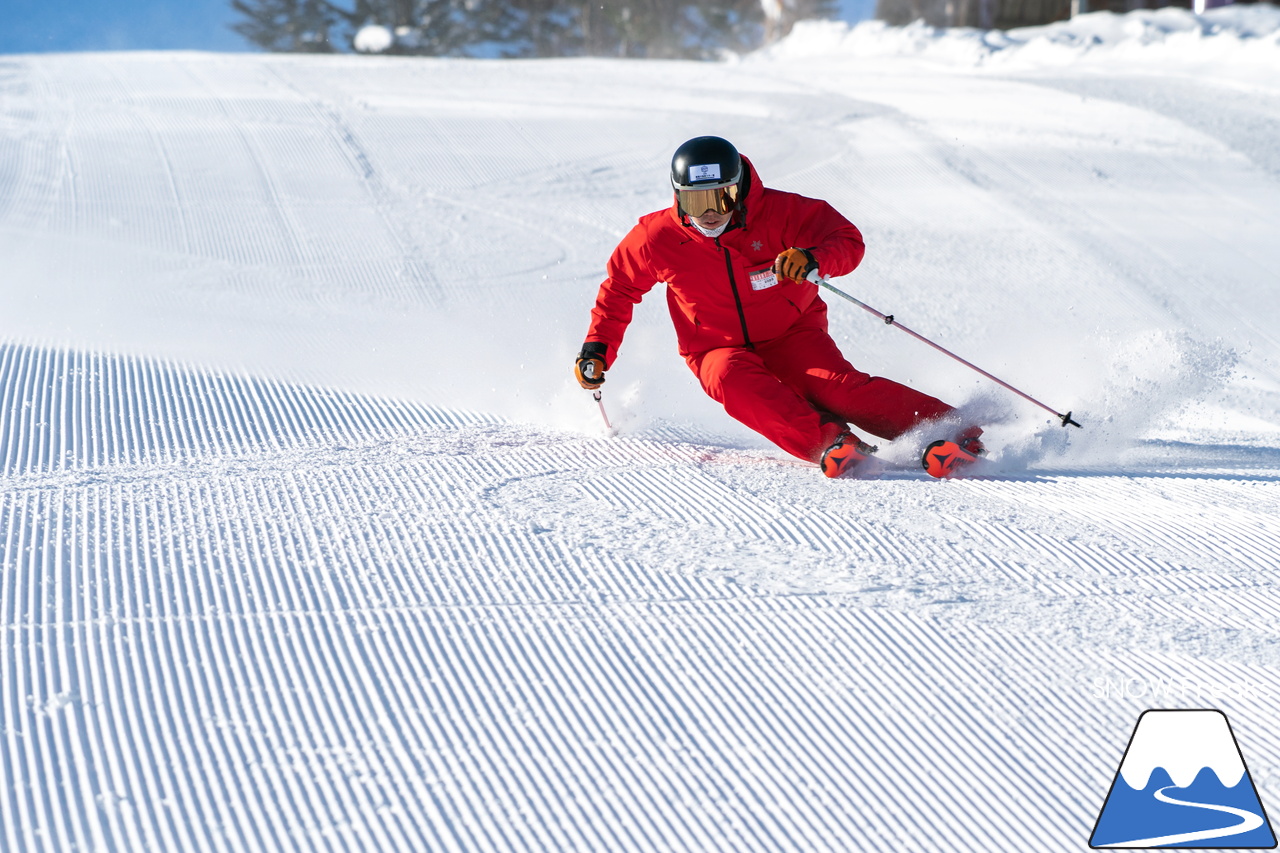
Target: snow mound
[374, 39]
[1233, 34]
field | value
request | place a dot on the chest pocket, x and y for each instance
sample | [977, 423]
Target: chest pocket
[763, 279]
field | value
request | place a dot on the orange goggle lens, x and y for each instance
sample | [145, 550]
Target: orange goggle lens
[700, 202]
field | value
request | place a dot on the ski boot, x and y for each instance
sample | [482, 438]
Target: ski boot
[847, 454]
[948, 459]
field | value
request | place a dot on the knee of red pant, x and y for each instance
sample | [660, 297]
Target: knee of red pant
[850, 378]
[719, 364]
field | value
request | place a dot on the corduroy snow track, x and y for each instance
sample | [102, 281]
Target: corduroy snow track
[308, 542]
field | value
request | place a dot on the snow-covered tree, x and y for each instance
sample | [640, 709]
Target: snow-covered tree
[292, 26]
[634, 28]
[432, 27]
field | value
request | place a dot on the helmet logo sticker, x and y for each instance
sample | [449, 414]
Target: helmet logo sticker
[705, 172]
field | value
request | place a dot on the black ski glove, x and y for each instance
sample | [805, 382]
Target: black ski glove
[795, 264]
[589, 367]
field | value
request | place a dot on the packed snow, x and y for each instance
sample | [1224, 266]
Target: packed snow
[310, 541]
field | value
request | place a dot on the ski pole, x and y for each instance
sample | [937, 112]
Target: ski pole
[597, 394]
[823, 281]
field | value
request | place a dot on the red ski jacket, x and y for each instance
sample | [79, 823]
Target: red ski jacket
[721, 290]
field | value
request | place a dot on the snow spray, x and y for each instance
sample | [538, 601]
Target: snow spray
[823, 281]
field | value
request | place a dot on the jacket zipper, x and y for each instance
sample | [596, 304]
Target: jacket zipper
[737, 298]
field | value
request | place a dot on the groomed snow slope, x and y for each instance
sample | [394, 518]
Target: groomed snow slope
[309, 542]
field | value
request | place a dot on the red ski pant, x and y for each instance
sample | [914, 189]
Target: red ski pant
[799, 392]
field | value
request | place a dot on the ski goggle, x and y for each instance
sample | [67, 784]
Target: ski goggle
[701, 202]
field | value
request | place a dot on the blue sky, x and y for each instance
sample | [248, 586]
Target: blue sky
[35, 26]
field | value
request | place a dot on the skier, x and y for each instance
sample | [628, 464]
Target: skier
[736, 258]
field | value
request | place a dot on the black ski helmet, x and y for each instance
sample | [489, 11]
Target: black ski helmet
[705, 163]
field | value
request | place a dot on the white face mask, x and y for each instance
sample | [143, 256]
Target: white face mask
[713, 233]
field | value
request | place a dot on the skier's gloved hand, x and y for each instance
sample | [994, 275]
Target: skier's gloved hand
[795, 264]
[589, 367]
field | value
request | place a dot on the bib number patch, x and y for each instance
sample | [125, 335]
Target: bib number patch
[763, 279]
